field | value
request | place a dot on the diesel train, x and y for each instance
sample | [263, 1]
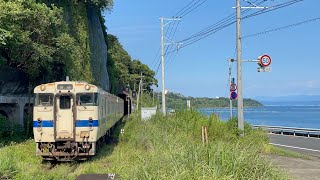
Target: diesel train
[72, 119]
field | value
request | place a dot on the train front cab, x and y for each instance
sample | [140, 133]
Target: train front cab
[65, 120]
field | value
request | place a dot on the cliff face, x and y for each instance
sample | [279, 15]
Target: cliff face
[98, 49]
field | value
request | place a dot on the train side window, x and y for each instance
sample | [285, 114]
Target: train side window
[65, 102]
[44, 99]
[87, 99]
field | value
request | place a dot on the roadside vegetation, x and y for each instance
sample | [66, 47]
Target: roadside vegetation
[10, 132]
[160, 148]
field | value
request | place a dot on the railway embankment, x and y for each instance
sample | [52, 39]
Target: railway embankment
[160, 148]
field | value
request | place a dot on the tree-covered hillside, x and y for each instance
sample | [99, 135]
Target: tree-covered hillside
[178, 101]
[123, 70]
[35, 39]
[51, 39]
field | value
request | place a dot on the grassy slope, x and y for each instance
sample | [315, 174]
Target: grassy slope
[162, 148]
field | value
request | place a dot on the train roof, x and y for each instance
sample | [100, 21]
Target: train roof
[54, 87]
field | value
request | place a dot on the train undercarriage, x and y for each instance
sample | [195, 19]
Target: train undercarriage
[68, 150]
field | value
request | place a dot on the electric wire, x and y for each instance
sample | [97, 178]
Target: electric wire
[154, 62]
[191, 6]
[231, 17]
[183, 9]
[279, 6]
[196, 6]
[281, 28]
[173, 55]
[228, 23]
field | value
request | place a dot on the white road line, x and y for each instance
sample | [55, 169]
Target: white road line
[292, 136]
[314, 150]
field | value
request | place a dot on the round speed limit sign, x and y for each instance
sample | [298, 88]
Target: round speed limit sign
[265, 60]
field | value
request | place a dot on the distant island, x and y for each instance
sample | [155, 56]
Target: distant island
[179, 101]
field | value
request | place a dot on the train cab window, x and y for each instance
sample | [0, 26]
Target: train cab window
[65, 102]
[87, 99]
[44, 99]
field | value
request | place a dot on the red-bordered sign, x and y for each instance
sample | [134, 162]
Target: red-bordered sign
[265, 60]
[233, 95]
[233, 87]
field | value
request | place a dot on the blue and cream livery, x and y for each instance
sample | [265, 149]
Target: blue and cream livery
[71, 119]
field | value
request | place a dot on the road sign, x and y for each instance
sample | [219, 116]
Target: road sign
[265, 60]
[264, 69]
[233, 95]
[233, 87]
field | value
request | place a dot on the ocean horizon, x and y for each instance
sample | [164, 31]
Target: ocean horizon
[289, 114]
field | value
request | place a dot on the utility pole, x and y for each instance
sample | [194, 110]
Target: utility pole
[162, 68]
[230, 61]
[138, 98]
[141, 88]
[162, 60]
[239, 69]
[152, 97]
[159, 99]
[140, 91]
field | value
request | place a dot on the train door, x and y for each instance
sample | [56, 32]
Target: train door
[64, 117]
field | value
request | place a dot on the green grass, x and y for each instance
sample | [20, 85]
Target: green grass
[273, 150]
[161, 148]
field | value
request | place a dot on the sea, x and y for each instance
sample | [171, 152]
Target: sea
[288, 114]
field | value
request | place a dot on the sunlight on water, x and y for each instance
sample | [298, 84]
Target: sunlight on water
[290, 116]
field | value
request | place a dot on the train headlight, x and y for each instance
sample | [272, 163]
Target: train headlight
[90, 120]
[87, 87]
[42, 87]
[39, 120]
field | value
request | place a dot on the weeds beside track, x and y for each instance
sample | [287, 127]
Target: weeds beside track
[160, 148]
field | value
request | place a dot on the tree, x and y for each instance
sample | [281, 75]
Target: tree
[35, 39]
[103, 4]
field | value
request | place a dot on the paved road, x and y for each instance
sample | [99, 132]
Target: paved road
[309, 146]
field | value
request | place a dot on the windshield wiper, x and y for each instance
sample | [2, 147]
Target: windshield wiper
[83, 105]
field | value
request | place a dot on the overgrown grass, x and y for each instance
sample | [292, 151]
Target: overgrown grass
[10, 132]
[161, 148]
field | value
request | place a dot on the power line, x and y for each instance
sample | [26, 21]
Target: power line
[220, 23]
[170, 59]
[230, 17]
[183, 9]
[279, 6]
[227, 23]
[283, 27]
[227, 19]
[188, 12]
[153, 64]
[191, 6]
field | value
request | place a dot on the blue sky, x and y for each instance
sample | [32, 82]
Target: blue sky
[201, 69]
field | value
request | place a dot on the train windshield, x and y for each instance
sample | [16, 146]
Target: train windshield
[87, 99]
[44, 99]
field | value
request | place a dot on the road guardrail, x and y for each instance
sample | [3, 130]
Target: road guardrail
[294, 131]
